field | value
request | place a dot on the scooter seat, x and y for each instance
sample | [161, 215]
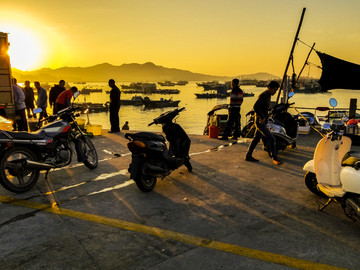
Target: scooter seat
[22, 135]
[147, 136]
[350, 161]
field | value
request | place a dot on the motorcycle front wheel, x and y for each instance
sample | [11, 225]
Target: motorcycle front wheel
[88, 152]
[311, 183]
[145, 183]
[13, 176]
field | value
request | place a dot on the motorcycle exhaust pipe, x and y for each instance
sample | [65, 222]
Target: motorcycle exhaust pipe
[33, 165]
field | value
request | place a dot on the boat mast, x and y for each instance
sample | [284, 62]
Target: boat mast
[291, 54]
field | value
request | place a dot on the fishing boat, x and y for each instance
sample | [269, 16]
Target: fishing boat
[93, 107]
[220, 95]
[167, 83]
[87, 91]
[162, 103]
[134, 101]
[182, 83]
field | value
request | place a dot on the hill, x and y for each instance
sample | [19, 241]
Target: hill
[125, 72]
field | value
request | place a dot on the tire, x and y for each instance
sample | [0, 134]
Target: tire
[88, 153]
[311, 183]
[17, 179]
[188, 165]
[145, 183]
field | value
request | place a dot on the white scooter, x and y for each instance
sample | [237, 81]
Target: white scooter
[334, 172]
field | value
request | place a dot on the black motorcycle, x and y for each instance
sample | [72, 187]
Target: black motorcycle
[150, 156]
[24, 154]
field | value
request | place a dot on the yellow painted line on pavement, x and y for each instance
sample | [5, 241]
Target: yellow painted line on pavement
[166, 234]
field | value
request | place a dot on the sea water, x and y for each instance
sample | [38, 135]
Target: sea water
[194, 118]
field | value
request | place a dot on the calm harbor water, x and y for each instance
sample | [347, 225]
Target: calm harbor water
[194, 118]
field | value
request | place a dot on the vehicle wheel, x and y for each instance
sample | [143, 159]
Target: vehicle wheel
[188, 165]
[89, 154]
[13, 176]
[311, 183]
[145, 183]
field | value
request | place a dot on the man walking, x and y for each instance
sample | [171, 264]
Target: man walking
[261, 108]
[114, 107]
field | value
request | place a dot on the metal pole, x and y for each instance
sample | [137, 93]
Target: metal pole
[307, 58]
[291, 53]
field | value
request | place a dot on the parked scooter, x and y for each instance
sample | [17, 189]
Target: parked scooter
[151, 158]
[24, 154]
[334, 172]
[282, 125]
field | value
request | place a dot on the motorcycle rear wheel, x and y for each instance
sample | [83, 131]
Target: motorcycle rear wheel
[145, 183]
[88, 152]
[311, 183]
[13, 177]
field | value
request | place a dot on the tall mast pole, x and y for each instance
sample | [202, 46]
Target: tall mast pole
[291, 54]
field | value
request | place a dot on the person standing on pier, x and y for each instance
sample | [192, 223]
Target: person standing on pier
[114, 107]
[261, 108]
[54, 93]
[236, 99]
[29, 100]
[20, 123]
[42, 100]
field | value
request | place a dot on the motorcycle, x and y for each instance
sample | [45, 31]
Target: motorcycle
[282, 125]
[25, 154]
[334, 172]
[150, 156]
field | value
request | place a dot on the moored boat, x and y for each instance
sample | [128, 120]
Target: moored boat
[151, 104]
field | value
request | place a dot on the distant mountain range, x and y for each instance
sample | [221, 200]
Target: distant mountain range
[148, 72]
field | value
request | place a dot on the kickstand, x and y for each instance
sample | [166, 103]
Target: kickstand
[323, 206]
[55, 203]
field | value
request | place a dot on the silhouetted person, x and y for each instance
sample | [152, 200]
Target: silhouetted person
[54, 93]
[64, 99]
[20, 122]
[261, 108]
[236, 99]
[126, 126]
[29, 99]
[114, 107]
[42, 100]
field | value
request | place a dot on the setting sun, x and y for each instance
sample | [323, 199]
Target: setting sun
[26, 51]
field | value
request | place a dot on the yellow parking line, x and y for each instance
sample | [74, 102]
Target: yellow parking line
[180, 237]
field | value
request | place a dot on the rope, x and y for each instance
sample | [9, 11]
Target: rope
[308, 121]
[307, 45]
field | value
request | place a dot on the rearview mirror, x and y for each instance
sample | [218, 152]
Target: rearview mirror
[333, 102]
[76, 94]
[37, 110]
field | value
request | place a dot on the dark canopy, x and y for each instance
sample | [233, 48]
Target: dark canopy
[337, 73]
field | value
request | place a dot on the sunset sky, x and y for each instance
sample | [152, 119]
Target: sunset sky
[215, 37]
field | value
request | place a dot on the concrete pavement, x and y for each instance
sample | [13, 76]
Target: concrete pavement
[226, 214]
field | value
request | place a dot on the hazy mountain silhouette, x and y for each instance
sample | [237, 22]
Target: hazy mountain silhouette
[125, 72]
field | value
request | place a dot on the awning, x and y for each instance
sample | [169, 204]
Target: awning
[338, 74]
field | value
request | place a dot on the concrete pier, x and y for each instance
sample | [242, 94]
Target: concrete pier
[226, 214]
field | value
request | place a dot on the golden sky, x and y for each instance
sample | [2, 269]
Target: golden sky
[216, 37]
